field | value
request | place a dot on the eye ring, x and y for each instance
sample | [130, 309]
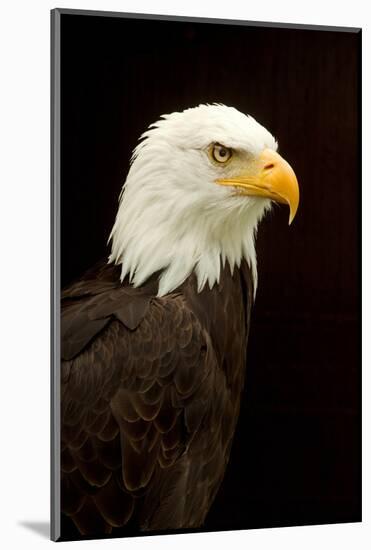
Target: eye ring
[220, 153]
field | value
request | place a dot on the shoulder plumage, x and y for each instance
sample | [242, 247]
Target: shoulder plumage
[92, 302]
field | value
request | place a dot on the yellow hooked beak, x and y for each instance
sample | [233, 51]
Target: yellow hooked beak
[270, 177]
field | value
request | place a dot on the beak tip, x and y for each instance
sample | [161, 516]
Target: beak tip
[291, 217]
[293, 210]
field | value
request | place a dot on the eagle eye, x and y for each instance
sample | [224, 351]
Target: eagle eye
[220, 153]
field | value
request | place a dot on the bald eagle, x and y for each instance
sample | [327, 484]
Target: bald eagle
[153, 341]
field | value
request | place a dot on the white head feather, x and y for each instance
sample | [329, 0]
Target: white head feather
[172, 215]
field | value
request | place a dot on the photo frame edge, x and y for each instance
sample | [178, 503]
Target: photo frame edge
[55, 511]
[211, 20]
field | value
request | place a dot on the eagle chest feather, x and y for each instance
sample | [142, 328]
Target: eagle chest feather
[149, 399]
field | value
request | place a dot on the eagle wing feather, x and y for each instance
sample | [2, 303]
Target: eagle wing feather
[132, 401]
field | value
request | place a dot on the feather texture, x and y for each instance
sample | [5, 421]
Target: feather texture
[150, 398]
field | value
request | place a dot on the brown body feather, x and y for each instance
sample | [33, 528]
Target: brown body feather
[150, 398]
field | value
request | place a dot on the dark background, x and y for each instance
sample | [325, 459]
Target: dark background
[297, 450]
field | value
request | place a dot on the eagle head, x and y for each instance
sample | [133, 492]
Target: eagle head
[198, 185]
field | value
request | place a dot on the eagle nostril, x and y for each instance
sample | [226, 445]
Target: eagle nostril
[269, 166]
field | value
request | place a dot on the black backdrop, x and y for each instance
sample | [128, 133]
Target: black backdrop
[296, 455]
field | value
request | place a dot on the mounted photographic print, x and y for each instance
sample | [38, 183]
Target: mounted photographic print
[206, 275]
